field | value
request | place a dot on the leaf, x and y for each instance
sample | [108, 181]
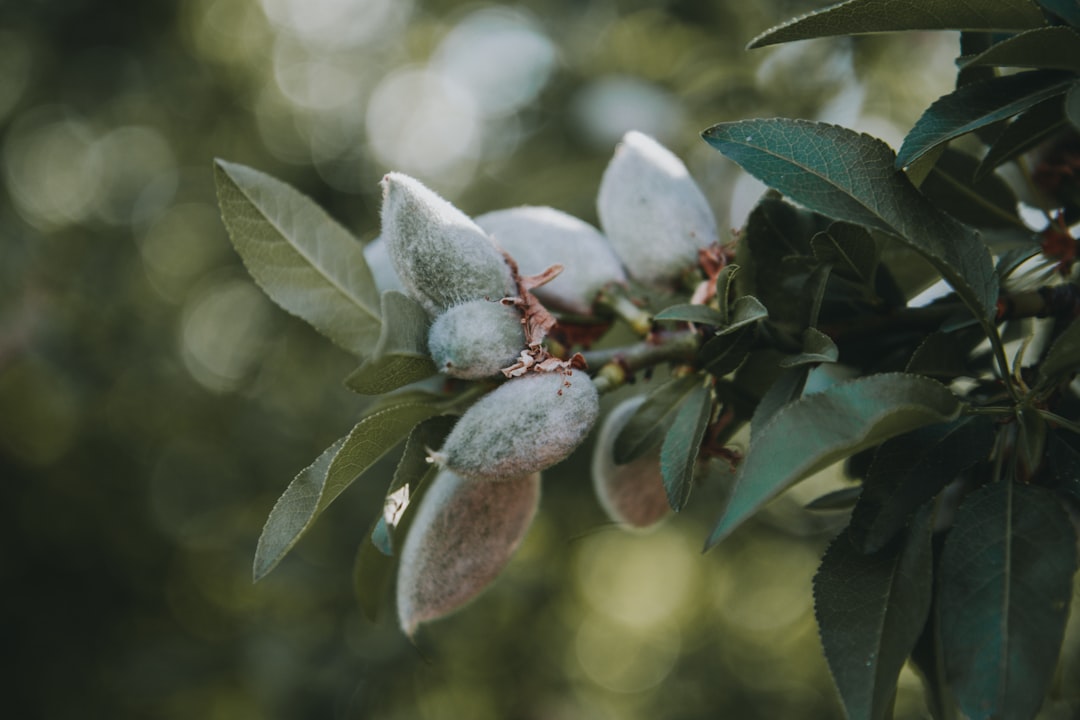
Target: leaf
[401, 354]
[700, 314]
[1062, 359]
[850, 249]
[944, 355]
[870, 611]
[678, 454]
[787, 388]
[909, 470]
[372, 570]
[850, 177]
[649, 423]
[1067, 10]
[724, 353]
[817, 348]
[985, 203]
[817, 430]
[1030, 128]
[1072, 105]
[1049, 48]
[856, 17]
[977, 105]
[1006, 581]
[318, 485]
[305, 261]
[842, 499]
[1063, 465]
[746, 310]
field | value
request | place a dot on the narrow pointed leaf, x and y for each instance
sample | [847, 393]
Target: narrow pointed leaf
[988, 202]
[977, 105]
[1063, 357]
[1029, 129]
[870, 611]
[317, 486]
[746, 310]
[817, 430]
[678, 454]
[304, 260]
[871, 16]
[401, 354]
[1006, 582]
[726, 352]
[700, 314]
[1072, 105]
[817, 348]
[650, 422]
[909, 470]
[850, 177]
[1049, 48]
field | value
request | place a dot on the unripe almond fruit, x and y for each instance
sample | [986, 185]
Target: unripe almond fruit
[525, 425]
[539, 237]
[633, 494]
[476, 339]
[442, 257]
[652, 211]
[461, 538]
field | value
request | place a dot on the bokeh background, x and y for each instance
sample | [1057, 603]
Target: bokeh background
[154, 404]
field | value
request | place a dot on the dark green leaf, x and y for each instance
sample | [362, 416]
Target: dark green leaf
[700, 314]
[850, 249]
[985, 203]
[870, 611]
[1032, 127]
[842, 499]
[944, 355]
[401, 355]
[813, 294]
[649, 424]
[678, 454]
[817, 430]
[977, 105]
[725, 284]
[1049, 48]
[372, 571]
[786, 389]
[850, 177]
[306, 262]
[1067, 10]
[724, 353]
[1013, 258]
[817, 348]
[1072, 105]
[856, 17]
[1006, 582]
[1063, 465]
[1063, 357]
[318, 485]
[1030, 439]
[746, 310]
[911, 469]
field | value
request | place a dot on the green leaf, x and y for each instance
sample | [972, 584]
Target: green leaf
[746, 310]
[977, 105]
[1030, 128]
[856, 17]
[401, 354]
[817, 348]
[678, 454]
[1072, 105]
[725, 352]
[1062, 359]
[1067, 10]
[850, 177]
[909, 470]
[850, 249]
[944, 355]
[985, 203]
[1049, 48]
[306, 262]
[787, 388]
[700, 314]
[817, 430]
[842, 499]
[649, 423]
[870, 611]
[1063, 465]
[1006, 582]
[372, 570]
[318, 485]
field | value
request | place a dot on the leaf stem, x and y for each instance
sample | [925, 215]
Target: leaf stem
[616, 366]
[1056, 419]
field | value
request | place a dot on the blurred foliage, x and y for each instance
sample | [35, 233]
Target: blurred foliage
[153, 404]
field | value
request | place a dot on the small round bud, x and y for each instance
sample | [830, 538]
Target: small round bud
[442, 257]
[523, 426]
[539, 237]
[378, 260]
[633, 494]
[476, 339]
[461, 538]
[652, 211]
